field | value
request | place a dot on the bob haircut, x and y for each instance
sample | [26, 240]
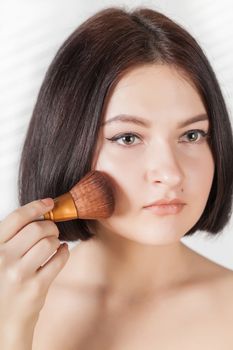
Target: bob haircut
[63, 131]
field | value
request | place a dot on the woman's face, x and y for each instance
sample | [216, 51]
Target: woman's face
[155, 161]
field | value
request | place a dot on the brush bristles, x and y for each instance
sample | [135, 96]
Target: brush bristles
[93, 196]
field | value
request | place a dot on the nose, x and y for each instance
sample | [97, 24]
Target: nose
[162, 166]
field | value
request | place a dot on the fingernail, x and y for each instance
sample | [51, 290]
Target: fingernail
[48, 202]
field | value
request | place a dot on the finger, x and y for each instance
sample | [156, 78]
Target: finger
[39, 254]
[54, 265]
[32, 233]
[20, 217]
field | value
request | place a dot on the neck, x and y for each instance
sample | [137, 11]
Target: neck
[127, 268]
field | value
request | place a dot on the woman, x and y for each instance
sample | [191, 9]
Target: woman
[131, 93]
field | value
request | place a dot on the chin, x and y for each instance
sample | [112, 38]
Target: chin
[153, 238]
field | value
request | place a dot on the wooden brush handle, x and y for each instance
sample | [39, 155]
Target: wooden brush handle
[64, 209]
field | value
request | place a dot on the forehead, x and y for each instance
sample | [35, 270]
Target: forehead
[153, 88]
[152, 73]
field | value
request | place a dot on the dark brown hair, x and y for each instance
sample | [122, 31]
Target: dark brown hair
[63, 131]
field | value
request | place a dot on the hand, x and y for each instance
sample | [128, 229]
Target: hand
[26, 272]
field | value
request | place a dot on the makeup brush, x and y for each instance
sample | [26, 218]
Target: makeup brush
[91, 198]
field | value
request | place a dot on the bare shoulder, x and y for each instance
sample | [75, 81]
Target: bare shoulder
[209, 274]
[208, 292]
[220, 303]
[222, 286]
[221, 278]
[216, 291]
[206, 303]
[217, 279]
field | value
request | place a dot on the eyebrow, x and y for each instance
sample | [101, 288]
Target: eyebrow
[126, 118]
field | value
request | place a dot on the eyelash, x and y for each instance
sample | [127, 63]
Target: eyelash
[114, 139]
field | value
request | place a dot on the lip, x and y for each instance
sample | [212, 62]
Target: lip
[165, 209]
[165, 202]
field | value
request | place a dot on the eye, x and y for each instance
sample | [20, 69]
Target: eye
[194, 137]
[126, 138]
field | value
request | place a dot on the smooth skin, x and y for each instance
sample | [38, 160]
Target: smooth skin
[25, 271]
[135, 285]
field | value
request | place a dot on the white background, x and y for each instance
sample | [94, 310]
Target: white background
[30, 34]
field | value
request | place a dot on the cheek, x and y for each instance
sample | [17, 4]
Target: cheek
[198, 169]
[199, 176]
[115, 161]
[123, 175]
[207, 177]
